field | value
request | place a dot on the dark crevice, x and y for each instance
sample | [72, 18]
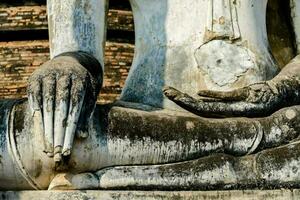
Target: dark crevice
[8, 3]
[120, 36]
[119, 4]
[280, 31]
[24, 35]
[287, 10]
[113, 4]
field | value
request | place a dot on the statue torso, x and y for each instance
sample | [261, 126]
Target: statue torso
[192, 45]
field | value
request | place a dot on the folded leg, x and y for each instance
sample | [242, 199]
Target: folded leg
[273, 168]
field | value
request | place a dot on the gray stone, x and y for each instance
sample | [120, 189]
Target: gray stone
[145, 146]
[152, 195]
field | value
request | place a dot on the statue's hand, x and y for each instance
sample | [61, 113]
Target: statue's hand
[259, 99]
[256, 100]
[65, 91]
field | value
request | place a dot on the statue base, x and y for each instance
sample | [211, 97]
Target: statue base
[152, 195]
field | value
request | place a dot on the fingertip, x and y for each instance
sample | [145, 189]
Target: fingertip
[67, 152]
[165, 88]
[57, 154]
[50, 155]
[58, 157]
[48, 148]
[171, 93]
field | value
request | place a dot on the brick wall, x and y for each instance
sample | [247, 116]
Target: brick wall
[23, 18]
[35, 18]
[118, 59]
[19, 59]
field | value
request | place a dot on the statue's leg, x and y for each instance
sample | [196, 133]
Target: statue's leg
[136, 137]
[183, 140]
[10, 176]
[139, 137]
[273, 168]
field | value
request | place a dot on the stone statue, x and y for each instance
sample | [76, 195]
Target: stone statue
[59, 139]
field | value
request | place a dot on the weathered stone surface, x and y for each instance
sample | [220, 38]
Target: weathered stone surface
[178, 56]
[7, 162]
[132, 148]
[148, 195]
[176, 148]
[83, 24]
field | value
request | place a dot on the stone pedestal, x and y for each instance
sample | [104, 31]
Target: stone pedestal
[151, 195]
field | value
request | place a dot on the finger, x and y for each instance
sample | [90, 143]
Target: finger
[35, 95]
[61, 114]
[85, 116]
[77, 98]
[171, 92]
[49, 86]
[82, 127]
[183, 100]
[208, 99]
[84, 119]
[235, 95]
[217, 109]
[82, 130]
[88, 107]
[35, 102]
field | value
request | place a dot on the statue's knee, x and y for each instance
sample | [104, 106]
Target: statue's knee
[279, 165]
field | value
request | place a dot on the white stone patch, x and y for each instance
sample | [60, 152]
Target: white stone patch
[190, 125]
[290, 114]
[289, 172]
[225, 174]
[274, 135]
[146, 151]
[242, 145]
[223, 63]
